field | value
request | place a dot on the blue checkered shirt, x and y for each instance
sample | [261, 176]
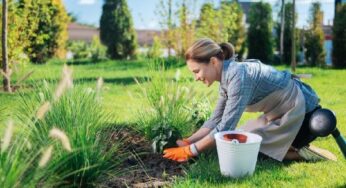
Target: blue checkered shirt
[246, 83]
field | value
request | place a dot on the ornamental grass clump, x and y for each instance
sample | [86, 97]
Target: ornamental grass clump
[21, 165]
[16, 159]
[164, 117]
[82, 158]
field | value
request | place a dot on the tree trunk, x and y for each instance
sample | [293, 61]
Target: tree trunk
[293, 58]
[282, 30]
[336, 3]
[170, 27]
[5, 69]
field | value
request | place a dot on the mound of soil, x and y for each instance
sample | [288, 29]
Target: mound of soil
[143, 168]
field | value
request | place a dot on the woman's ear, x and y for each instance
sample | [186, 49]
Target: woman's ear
[213, 60]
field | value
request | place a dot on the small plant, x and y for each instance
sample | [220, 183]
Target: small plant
[200, 111]
[79, 49]
[83, 51]
[97, 50]
[163, 136]
[165, 118]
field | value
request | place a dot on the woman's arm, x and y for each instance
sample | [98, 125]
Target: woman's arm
[212, 122]
[202, 132]
[239, 92]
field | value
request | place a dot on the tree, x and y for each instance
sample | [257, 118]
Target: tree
[5, 69]
[287, 39]
[236, 31]
[314, 37]
[155, 51]
[207, 25]
[260, 42]
[116, 29]
[164, 10]
[15, 38]
[47, 26]
[339, 37]
[186, 31]
[219, 24]
[293, 51]
[282, 28]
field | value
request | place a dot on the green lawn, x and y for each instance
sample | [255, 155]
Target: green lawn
[120, 98]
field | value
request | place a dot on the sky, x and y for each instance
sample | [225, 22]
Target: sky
[144, 12]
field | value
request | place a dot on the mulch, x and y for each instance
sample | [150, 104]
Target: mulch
[143, 168]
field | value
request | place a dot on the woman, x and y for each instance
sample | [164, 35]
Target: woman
[251, 86]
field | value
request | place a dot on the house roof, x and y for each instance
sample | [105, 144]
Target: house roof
[81, 32]
[78, 31]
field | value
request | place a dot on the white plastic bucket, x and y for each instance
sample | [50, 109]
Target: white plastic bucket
[237, 159]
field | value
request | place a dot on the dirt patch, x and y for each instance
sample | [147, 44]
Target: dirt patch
[145, 168]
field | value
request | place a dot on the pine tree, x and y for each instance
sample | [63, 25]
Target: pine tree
[116, 29]
[260, 43]
[339, 37]
[314, 41]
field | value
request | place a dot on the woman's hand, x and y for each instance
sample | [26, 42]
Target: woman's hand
[179, 154]
[183, 142]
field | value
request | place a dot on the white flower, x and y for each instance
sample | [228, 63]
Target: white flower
[60, 135]
[41, 112]
[47, 154]
[7, 136]
[177, 75]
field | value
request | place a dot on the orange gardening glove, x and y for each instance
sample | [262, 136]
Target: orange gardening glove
[180, 154]
[183, 142]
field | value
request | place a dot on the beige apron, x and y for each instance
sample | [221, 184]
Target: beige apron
[283, 115]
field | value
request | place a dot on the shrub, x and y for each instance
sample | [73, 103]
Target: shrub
[82, 50]
[155, 51]
[79, 49]
[97, 50]
[48, 38]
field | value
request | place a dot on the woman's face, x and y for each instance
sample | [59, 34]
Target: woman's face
[206, 72]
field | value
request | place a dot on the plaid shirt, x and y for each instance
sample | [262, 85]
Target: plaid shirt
[245, 84]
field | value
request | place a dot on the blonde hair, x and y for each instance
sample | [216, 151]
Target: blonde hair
[203, 49]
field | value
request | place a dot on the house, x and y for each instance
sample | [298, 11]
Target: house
[80, 32]
[328, 43]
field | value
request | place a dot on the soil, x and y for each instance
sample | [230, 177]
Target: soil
[143, 168]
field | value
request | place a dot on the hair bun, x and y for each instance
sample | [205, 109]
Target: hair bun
[227, 50]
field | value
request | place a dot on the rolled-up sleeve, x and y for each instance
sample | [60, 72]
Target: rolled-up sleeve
[216, 117]
[239, 92]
